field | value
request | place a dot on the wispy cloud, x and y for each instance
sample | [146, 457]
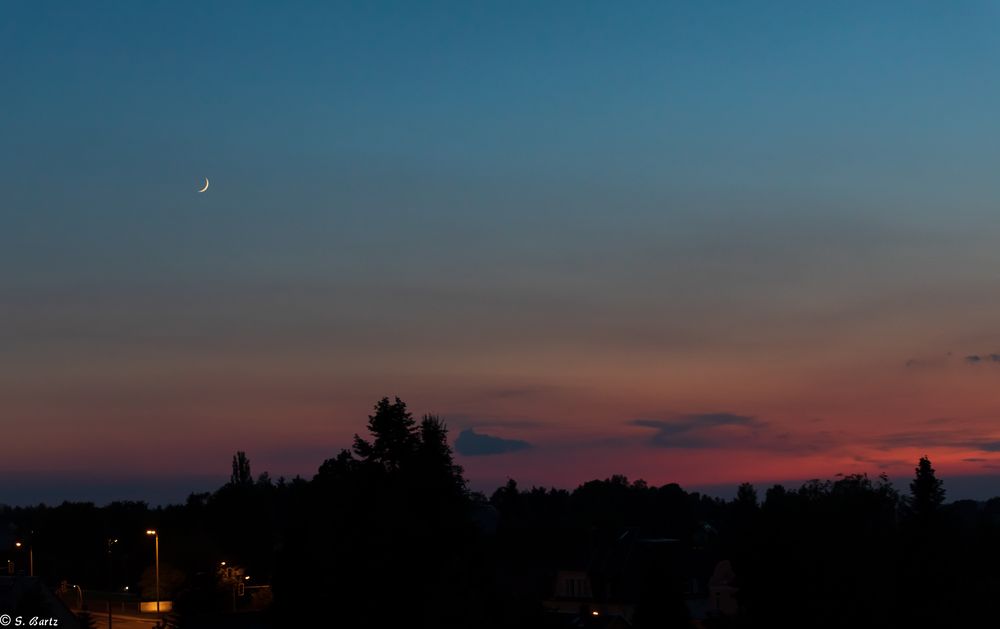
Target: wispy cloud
[982, 358]
[882, 464]
[963, 438]
[730, 430]
[928, 361]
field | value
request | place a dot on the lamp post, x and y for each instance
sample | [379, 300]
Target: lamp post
[111, 582]
[156, 538]
[31, 557]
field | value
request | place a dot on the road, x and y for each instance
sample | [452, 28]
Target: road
[123, 622]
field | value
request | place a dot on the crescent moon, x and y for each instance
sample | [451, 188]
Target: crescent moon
[206, 185]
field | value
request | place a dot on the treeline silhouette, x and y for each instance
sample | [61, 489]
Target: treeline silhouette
[387, 534]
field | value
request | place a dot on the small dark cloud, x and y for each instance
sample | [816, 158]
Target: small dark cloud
[471, 443]
[975, 359]
[702, 430]
[975, 460]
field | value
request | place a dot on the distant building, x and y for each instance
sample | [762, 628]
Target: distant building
[617, 577]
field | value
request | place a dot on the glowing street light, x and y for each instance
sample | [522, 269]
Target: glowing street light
[156, 538]
[31, 557]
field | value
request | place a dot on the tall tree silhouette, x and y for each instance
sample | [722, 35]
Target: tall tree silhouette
[926, 490]
[241, 476]
[434, 460]
[930, 574]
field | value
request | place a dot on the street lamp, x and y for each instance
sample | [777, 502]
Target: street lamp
[31, 557]
[111, 582]
[156, 538]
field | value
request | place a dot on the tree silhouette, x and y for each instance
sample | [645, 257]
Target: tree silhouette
[926, 490]
[746, 496]
[241, 471]
[930, 573]
[434, 461]
[387, 533]
[338, 468]
[394, 436]
[392, 514]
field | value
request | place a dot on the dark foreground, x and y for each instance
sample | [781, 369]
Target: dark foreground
[386, 534]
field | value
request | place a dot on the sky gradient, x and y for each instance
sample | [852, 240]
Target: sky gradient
[701, 243]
